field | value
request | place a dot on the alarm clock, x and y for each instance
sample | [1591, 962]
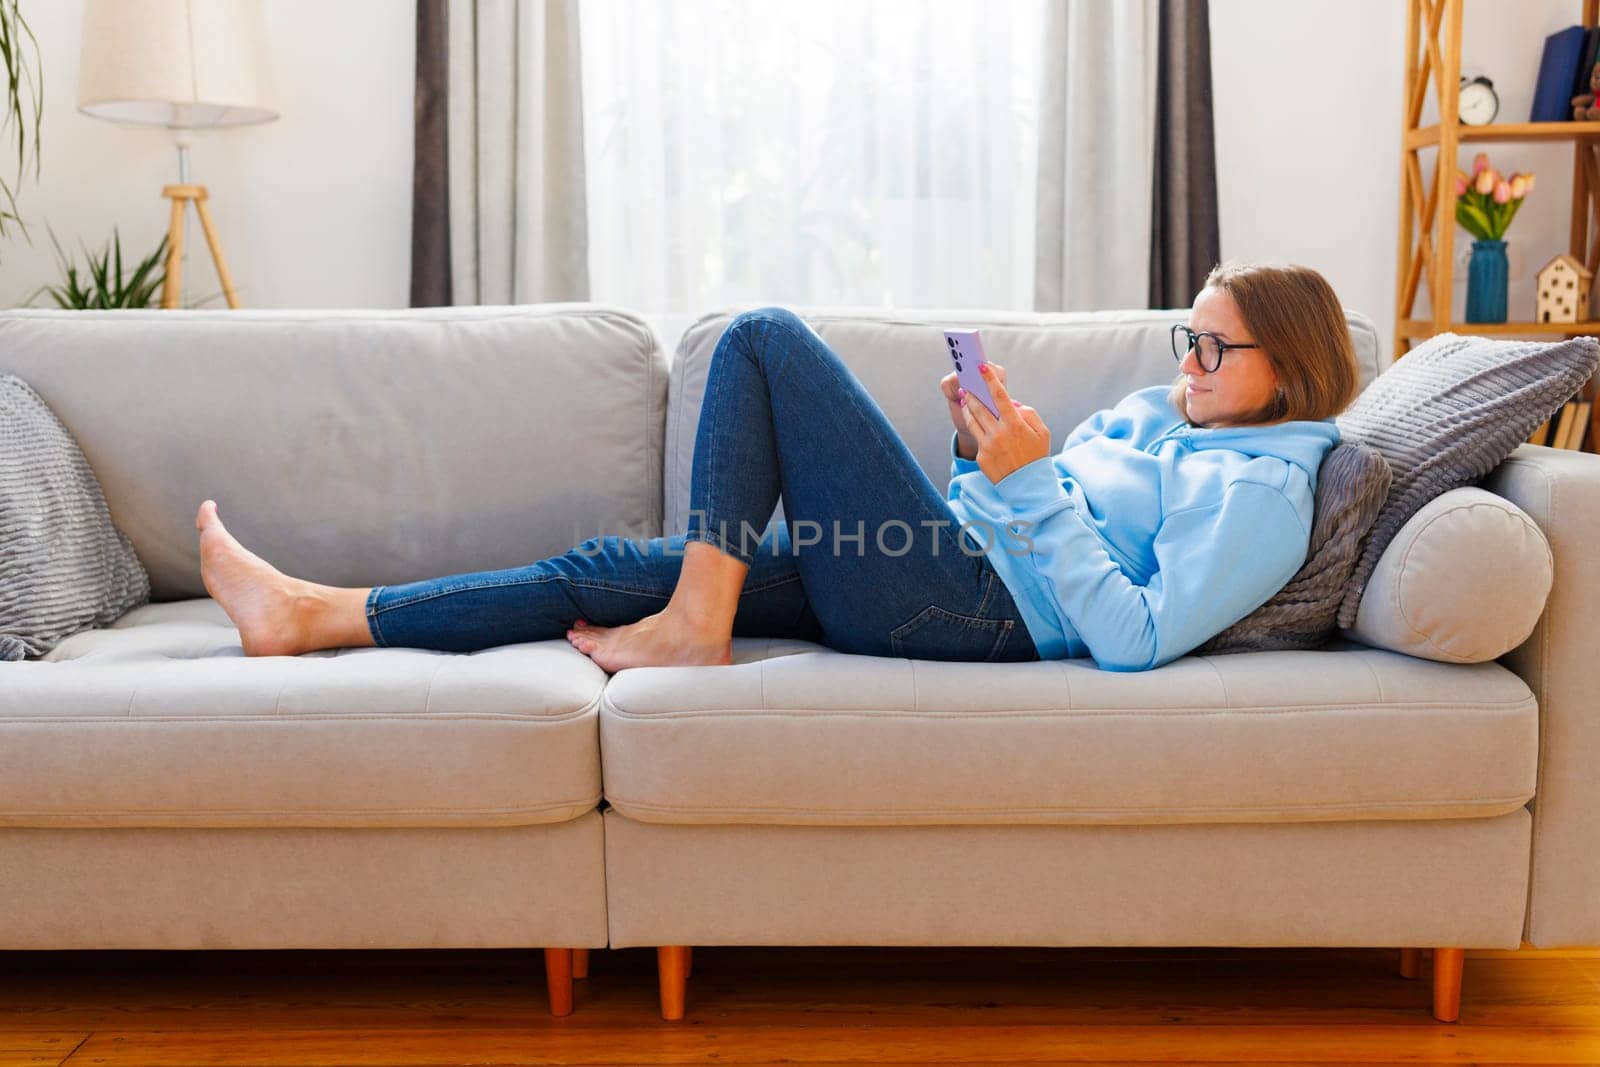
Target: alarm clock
[1477, 103]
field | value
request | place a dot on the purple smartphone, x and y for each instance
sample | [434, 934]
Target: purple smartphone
[966, 352]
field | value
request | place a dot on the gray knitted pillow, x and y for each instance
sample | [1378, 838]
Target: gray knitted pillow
[1447, 414]
[63, 566]
[1351, 485]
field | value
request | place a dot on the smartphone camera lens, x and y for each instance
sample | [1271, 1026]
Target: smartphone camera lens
[951, 341]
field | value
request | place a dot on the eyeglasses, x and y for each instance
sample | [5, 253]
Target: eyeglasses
[1208, 347]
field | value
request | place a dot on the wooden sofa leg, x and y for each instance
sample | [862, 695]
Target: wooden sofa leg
[688, 962]
[558, 976]
[1410, 962]
[580, 963]
[1447, 964]
[672, 961]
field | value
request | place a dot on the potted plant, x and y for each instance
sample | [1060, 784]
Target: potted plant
[104, 283]
[1486, 202]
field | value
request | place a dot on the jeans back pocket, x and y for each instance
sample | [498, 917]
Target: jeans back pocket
[934, 633]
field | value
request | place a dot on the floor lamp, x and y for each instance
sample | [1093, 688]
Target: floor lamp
[186, 66]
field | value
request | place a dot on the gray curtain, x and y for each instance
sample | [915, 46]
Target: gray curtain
[1096, 142]
[430, 172]
[517, 215]
[1184, 240]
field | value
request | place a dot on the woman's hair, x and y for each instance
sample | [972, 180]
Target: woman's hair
[1293, 314]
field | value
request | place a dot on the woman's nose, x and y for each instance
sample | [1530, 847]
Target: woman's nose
[1190, 363]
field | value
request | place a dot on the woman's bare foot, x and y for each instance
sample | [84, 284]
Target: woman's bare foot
[268, 607]
[665, 639]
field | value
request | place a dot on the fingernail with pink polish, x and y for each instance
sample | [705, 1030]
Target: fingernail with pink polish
[961, 394]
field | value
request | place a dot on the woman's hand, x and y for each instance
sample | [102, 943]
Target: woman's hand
[1015, 439]
[966, 444]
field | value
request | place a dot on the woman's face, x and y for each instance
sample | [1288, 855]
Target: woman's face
[1244, 382]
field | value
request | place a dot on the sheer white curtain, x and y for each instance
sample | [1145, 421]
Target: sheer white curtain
[833, 152]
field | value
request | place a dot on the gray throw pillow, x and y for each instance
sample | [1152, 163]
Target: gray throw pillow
[1447, 414]
[1351, 485]
[63, 566]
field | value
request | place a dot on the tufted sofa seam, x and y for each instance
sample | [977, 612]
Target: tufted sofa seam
[621, 803]
[1527, 703]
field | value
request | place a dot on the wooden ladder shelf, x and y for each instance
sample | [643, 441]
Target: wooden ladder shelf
[1427, 200]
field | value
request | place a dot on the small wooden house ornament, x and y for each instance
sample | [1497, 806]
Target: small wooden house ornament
[1563, 290]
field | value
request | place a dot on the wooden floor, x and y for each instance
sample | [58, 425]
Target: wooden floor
[812, 1006]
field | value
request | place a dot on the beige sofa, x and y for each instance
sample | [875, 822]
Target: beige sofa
[159, 790]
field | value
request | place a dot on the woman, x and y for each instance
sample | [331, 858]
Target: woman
[1159, 523]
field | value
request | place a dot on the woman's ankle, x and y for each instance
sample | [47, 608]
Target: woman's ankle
[706, 597]
[332, 617]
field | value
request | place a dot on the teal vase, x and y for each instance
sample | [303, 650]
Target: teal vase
[1486, 282]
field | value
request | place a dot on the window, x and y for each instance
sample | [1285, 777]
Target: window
[826, 153]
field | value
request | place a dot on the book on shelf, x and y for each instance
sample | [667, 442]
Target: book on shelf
[1566, 428]
[1591, 52]
[1580, 424]
[1563, 421]
[1558, 71]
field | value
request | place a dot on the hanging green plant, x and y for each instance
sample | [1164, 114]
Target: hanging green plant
[23, 107]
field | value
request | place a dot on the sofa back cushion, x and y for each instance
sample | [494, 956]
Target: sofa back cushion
[1068, 365]
[357, 447]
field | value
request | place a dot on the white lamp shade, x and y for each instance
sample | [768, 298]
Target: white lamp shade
[179, 63]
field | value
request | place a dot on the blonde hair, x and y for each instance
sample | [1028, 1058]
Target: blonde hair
[1293, 314]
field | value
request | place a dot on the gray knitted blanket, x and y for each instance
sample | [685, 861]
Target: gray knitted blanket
[63, 566]
[1352, 484]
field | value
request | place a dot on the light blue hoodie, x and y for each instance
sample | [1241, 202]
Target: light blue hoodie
[1146, 536]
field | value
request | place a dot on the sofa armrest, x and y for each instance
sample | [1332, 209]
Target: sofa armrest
[1561, 490]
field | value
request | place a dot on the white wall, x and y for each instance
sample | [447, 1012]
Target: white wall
[314, 210]
[1308, 101]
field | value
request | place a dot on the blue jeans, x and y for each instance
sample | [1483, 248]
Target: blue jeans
[868, 559]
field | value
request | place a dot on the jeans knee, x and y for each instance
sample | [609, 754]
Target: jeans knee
[772, 337]
[781, 316]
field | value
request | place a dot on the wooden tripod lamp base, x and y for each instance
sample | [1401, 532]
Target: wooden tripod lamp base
[182, 195]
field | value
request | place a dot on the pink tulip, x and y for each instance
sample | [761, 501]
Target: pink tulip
[1502, 192]
[1461, 187]
[1485, 182]
[1519, 187]
[1528, 177]
[1480, 162]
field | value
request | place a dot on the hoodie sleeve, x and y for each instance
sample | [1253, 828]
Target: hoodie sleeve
[1215, 564]
[958, 466]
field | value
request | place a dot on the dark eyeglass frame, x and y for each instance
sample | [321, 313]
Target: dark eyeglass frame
[1192, 339]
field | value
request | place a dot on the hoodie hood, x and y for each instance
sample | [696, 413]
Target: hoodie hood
[1303, 442]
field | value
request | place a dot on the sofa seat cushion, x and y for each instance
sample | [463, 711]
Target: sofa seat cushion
[822, 738]
[160, 720]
